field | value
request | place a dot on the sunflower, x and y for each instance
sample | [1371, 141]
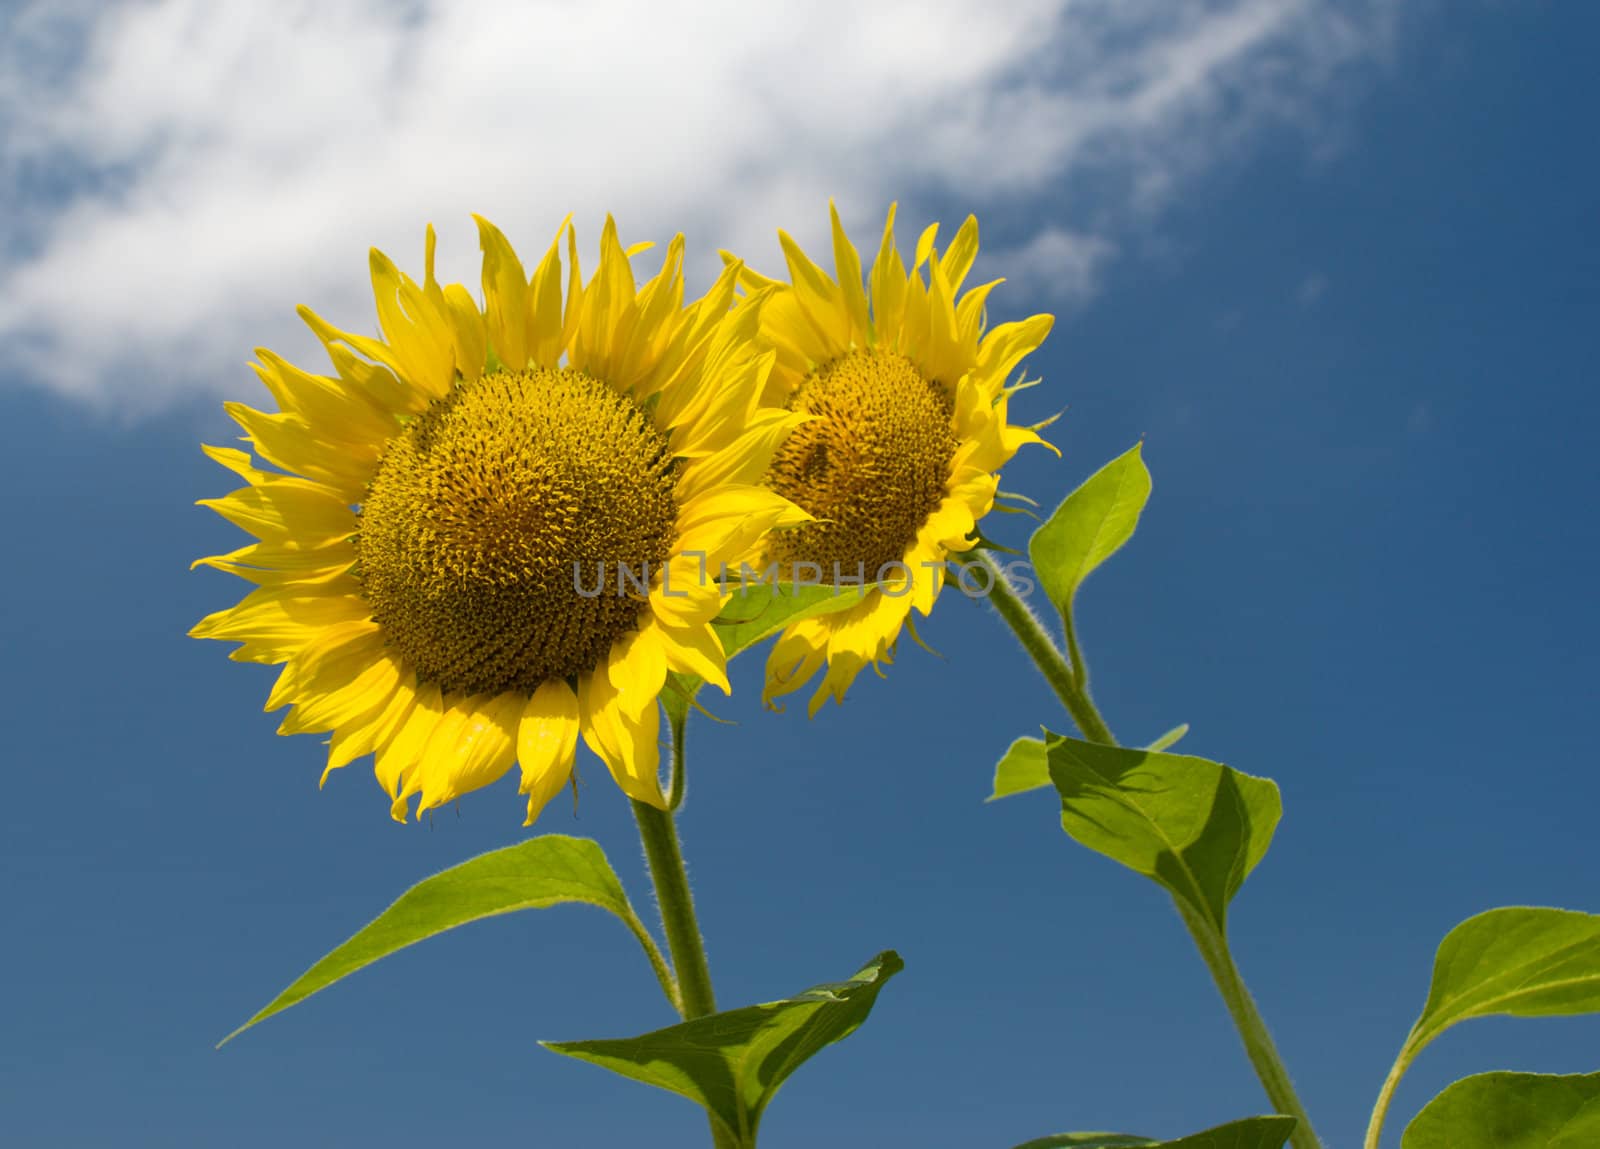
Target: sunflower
[906, 393]
[488, 531]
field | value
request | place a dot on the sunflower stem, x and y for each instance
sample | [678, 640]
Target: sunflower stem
[1068, 680]
[1068, 676]
[1247, 1019]
[658, 831]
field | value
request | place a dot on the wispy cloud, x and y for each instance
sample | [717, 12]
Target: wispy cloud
[1311, 290]
[1057, 267]
[180, 173]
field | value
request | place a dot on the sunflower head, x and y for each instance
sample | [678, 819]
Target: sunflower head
[488, 531]
[905, 392]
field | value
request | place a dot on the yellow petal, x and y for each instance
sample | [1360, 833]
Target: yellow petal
[365, 734]
[925, 242]
[471, 337]
[888, 288]
[609, 311]
[297, 513]
[743, 461]
[332, 404]
[400, 754]
[378, 380]
[847, 264]
[547, 740]
[819, 297]
[798, 654]
[275, 624]
[473, 749]
[688, 594]
[940, 354]
[1007, 345]
[280, 565]
[546, 335]
[637, 668]
[417, 332]
[628, 745]
[963, 250]
[330, 662]
[505, 296]
[288, 442]
[695, 650]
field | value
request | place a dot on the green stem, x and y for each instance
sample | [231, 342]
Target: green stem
[1067, 682]
[658, 964]
[1258, 1043]
[1080, 665]
[1385, 1095]
[659, 834]
[658, 831]
[1068, 676]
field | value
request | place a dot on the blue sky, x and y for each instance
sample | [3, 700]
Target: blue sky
[1342, 283]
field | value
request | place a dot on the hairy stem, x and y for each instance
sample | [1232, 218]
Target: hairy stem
[1066, 680]
[658, 831]
[1258, 1043]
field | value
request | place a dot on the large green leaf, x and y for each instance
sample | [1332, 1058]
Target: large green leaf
[1511, 1111]
[1090, 526]
[1193, 825]
[1251, 1133]
[732, 1063]
[544, 871]
[1025, 765]
[1518, 960]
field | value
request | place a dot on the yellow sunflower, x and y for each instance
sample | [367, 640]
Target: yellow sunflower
[906, 392]
[489, 531]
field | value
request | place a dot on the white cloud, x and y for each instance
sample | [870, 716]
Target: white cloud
[1056, 267]
[181, 172]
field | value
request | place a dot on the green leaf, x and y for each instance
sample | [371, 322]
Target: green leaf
[732, 1063]
[544, 871]
[1250, 1133]
[764, 608]
[1511, 1111]
[1518, 960]
[1090, 526]
[1195, 826]
[1023, 768]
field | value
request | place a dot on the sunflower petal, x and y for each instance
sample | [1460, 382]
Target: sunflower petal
[628, 745]
[472, 751]
[547, 739]
[506, 297]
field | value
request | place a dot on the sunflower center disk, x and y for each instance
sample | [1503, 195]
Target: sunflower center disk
[872, 468]
[491, 536]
